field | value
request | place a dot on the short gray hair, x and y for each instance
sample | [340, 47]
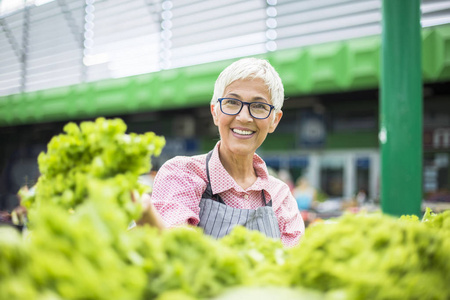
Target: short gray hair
[252, 68]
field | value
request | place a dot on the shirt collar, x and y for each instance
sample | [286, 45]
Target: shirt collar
[222, 181]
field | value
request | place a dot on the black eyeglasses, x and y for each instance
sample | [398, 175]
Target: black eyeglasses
[258, 110]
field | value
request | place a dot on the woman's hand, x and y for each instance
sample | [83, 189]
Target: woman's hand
[19, 213]
[150, 215]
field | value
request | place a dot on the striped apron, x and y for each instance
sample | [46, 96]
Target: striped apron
[218, 219]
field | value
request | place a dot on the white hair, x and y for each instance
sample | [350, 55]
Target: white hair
[251, 68]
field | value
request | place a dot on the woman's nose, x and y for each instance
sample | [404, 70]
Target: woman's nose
[244, 114]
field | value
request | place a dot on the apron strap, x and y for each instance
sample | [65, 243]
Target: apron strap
[264, 199]
[208, 194]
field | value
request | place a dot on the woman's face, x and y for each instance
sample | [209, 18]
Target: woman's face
[242, 134]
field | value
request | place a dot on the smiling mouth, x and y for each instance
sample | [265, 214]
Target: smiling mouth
[242, 132]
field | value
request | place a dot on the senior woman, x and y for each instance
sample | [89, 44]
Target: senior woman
[230, 185]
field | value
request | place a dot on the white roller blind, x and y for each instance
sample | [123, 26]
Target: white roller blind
[126, 38]
[302, 23]
[54, 51]
[46, 44]
[203, 32]
[11, 53]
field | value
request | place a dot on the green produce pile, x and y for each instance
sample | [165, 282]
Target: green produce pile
[93, 156]
[374, 256]
[78, 245]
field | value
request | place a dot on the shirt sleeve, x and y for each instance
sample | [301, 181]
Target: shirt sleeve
[177, 191]
[291, 223]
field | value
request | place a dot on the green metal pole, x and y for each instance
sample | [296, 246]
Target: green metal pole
[401, 108]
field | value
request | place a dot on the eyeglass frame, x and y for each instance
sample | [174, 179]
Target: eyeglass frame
[248, 105]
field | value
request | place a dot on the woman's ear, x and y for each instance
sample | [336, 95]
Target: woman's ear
[275, 121]
[214, 114]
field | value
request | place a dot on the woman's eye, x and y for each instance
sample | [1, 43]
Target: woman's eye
[232, 102]
[259, 106]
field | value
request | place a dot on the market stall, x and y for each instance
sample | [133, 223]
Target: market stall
[77, 243]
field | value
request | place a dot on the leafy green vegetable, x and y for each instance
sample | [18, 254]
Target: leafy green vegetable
[80, 255]
[439, 221]
[373, 256]
[263, 256]
[99, 154]
[185, 259]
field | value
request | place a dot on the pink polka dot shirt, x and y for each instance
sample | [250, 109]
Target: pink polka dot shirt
[181, 181]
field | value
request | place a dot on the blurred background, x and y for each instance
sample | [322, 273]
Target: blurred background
[153, 63]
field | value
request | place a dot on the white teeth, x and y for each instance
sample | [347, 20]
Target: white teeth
[244, 132]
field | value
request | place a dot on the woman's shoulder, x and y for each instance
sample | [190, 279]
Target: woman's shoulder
[278, 186]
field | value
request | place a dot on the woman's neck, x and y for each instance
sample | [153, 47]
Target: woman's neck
[240, 168]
